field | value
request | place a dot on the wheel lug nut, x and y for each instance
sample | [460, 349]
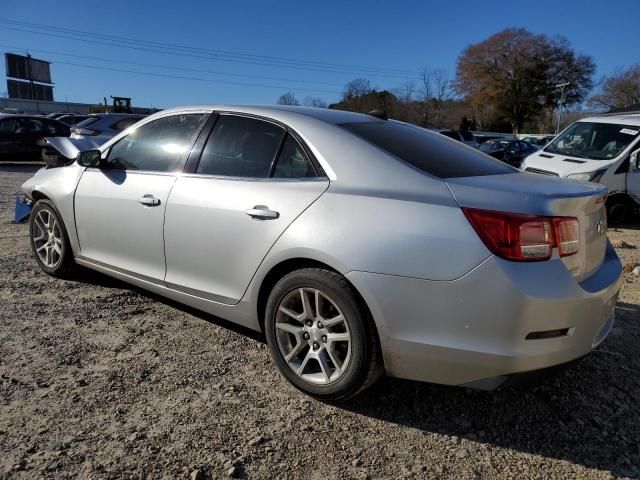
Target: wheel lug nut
[320, 325]
[316, 345]
[324, 339]
[309, 323]
[306, 335]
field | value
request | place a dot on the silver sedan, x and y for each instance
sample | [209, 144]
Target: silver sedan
[358, 245]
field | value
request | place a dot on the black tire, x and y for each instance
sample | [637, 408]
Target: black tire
[618, 210]
[65, 263]
[365, 365]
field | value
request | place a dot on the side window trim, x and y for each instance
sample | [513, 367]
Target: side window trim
[197, 148]
[276, 156]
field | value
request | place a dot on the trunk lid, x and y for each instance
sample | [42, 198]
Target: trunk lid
[549, 196]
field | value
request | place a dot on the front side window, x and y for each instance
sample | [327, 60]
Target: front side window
[595, 141]
[158, 146]
[427, 151]
[240, 147]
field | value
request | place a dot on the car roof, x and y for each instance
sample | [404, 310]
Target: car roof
[26, 115]
[108, 115]
[629, 119]
[281, 112]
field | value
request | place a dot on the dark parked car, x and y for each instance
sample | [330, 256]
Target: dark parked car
[512, 152]
[462, 136]
[21, 135]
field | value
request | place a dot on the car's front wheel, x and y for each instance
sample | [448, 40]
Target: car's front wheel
[321, 336]
[49, 240]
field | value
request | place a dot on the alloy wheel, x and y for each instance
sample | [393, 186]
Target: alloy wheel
[47, 238]
[313, 336]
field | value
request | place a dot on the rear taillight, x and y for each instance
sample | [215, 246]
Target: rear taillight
[525, 238]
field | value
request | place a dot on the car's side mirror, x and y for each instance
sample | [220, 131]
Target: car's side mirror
[90, 158]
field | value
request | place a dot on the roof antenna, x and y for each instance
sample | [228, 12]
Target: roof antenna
[381, 114]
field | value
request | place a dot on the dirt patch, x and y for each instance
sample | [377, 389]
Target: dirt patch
[99, 380]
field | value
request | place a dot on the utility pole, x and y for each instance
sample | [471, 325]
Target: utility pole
[561, 86]
[30, 75]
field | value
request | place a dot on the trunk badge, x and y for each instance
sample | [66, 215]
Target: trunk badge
[600, 226]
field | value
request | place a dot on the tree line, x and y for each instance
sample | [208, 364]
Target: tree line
[513, 81]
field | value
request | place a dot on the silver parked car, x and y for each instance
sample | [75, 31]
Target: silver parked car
[88, 134]
[357, 245]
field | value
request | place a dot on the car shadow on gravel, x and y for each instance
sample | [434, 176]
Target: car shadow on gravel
[92, 277]
[588, 414]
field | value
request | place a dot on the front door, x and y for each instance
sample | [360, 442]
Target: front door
[120, 207]
[252, 181]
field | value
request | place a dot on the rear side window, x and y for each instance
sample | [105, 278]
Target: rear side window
[240, 147]
[427, 151]
[292, 162]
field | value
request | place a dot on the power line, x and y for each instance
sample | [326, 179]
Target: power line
[182, 51]
[151, 65]
[296, 62]
[182, 77]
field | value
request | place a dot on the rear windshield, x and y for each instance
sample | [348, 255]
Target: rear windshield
[86, 122]
[430, 152]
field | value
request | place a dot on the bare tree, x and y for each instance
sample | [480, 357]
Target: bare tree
[314, 102]
[288, 99]
[436, 90]
[356, 88]
[619, 90]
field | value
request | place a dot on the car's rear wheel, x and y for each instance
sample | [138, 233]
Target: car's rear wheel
[49, 240]
[321, 336]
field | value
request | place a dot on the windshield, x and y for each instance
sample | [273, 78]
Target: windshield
[494, 146]
[595, 141]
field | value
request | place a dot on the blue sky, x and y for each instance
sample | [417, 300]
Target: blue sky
[397, 37]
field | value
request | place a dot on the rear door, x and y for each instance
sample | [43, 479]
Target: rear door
[252, 180]
[120, 208]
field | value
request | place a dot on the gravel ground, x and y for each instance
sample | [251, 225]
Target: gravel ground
[100, 380]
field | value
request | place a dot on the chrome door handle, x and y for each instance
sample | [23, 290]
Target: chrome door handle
[149, 200]
[262, 212]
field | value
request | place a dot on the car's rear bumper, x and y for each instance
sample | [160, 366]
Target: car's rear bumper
[474, 329]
